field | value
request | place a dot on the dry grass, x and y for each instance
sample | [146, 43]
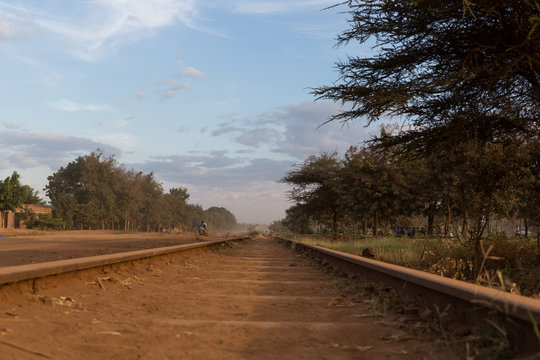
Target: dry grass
[510, 264]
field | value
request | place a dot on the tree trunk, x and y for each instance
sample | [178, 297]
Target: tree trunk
[334, 225]
[526, 223]
[365, 227]
[465, 227]
[447, 220]
[430, 221]
[375, 224]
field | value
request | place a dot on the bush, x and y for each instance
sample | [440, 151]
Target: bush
[45, 221]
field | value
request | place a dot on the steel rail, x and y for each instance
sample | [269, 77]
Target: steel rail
[470, 302]
[11, 274]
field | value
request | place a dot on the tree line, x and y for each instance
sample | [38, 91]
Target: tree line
[95, 192]
[370, 189]
[463, 79]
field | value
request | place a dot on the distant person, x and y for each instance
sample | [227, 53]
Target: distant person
[203, 228]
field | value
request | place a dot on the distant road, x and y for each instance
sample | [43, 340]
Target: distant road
[18, 249]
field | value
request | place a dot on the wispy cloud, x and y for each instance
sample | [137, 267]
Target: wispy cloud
[293, 130]
[9, 31]
[68, 105]
[26, 150]
[90, 30]
[125, 121]
[234, 173]
[214, 179]
[172, 88]
[190, 71]
[141, 95]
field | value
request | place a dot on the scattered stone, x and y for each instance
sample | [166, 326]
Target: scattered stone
[459, 329]
[338, 301]
[362, 348]
[368, 252]
[425, 313]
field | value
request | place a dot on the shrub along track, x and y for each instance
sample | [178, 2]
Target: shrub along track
[252, 299]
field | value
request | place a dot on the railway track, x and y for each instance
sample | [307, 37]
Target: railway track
[234, 299]
[485, 308]
[231, 299]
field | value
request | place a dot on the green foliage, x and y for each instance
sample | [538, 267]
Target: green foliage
[44, 222]
[219, 218]
[297, 220]
[455, 70]
[12, 193]
[464, 78]
[31, 196]
[279, 227]
[94, 192]
[315, 188]
[378, 186]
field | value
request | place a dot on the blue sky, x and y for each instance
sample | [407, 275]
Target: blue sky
[213, 96]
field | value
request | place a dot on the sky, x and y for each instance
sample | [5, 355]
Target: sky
[213, 96]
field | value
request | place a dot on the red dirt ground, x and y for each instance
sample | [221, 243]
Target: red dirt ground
[19, 247]
[250, 300]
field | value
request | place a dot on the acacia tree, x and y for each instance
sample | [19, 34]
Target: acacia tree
[463, 75]
[377, 186]
[315, 188]
[447, 66]
[297, 220]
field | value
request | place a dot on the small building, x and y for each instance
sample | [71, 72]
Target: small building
[10, 219]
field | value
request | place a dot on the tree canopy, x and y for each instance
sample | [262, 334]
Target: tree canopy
[314, 188]
[13, 194]
[454, 69]
[95, 192]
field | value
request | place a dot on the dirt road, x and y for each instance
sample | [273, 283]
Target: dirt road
[252, 300]
[19, 249]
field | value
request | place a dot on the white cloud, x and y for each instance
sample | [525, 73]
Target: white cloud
[27, 150]
[192, 72]
[294, 130]
[244, 186]
[90, 30]
[68, 105]
[216, 170]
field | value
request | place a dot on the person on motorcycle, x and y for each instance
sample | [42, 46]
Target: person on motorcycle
[203, 229]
